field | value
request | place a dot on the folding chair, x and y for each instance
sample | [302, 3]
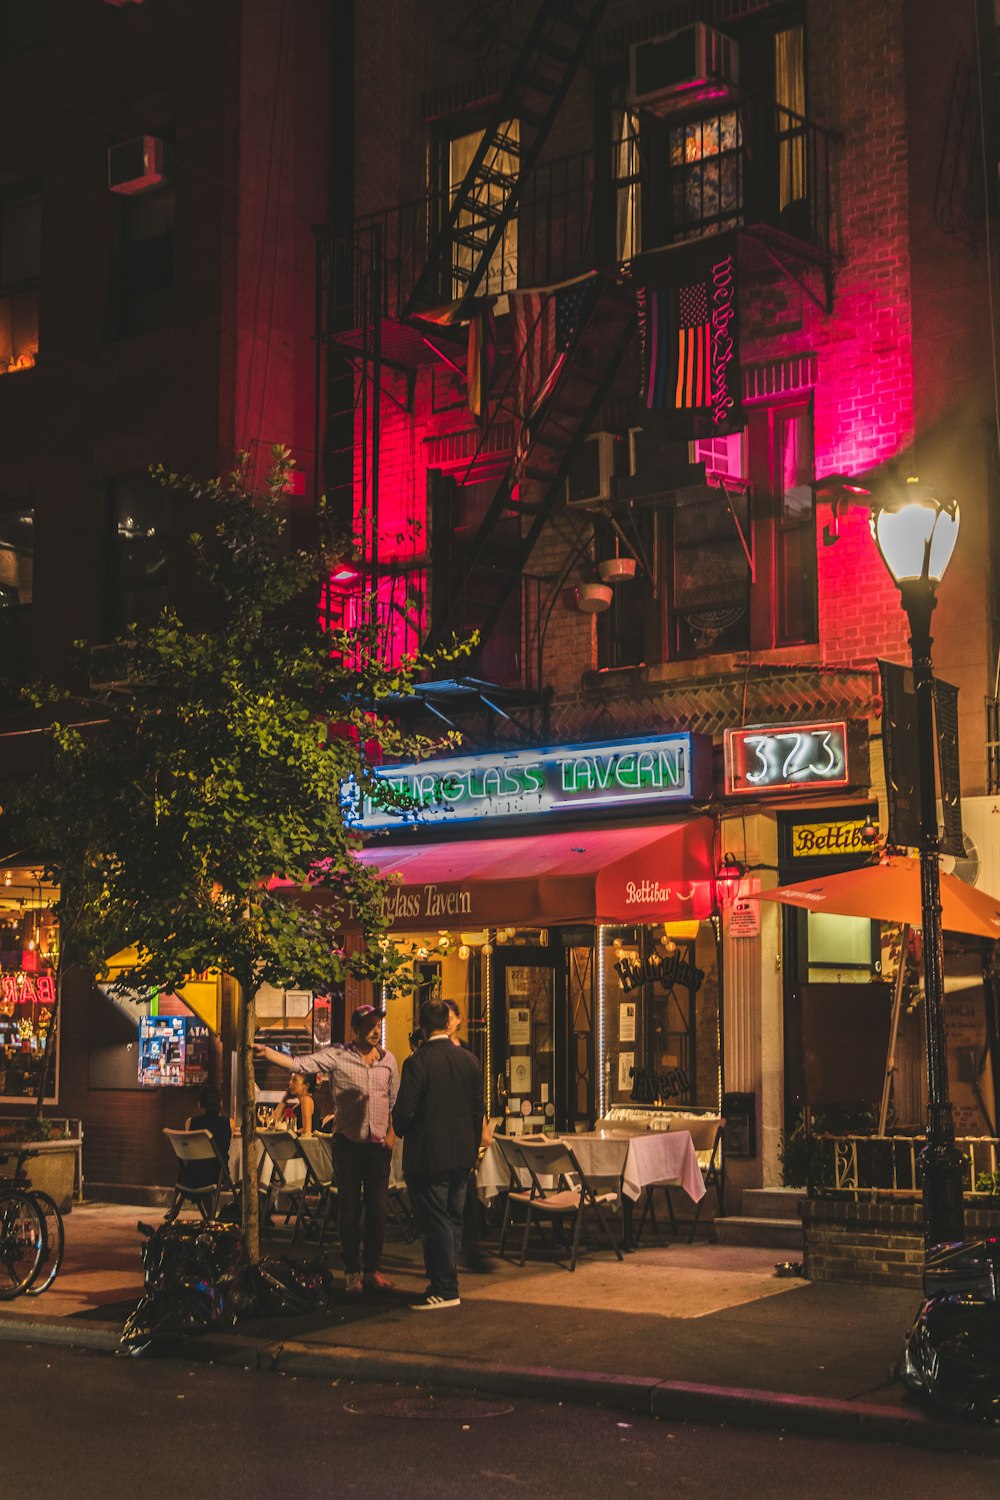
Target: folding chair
[280, 1148]
[398, 1204]
[507, 1147]
[572, 1195]
[706, 1137]
[317, 1152]
[199, 1146]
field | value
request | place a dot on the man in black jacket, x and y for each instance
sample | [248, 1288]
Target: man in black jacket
[439, 1114]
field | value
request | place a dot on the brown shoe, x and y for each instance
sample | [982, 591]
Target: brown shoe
[376, 1282]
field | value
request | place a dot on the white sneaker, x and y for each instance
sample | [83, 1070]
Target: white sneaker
[431, 1303]
[353, 1281]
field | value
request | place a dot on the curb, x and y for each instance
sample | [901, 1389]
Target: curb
[674, 1400]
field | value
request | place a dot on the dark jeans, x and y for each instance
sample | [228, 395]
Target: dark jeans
[438, 1202]
[361, 1167]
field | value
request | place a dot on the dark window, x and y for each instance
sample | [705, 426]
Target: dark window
[630, 632]
[20, 260]
[140, 536]
[464, 598]
[146, 262]
[17, 556]
[22, 25]
[731, 538]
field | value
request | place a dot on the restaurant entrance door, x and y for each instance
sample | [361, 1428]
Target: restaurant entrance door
[528, 1008]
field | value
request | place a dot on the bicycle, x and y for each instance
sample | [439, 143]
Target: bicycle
[32, 1239]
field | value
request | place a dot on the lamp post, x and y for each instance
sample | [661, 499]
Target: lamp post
[915, 534]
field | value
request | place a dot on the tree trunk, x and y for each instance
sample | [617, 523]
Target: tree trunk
[248, 1131]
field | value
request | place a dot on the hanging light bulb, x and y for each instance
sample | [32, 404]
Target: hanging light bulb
[487, 949]
[6, 879]
[463, 952]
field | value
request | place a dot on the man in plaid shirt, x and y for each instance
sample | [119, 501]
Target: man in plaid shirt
[364, 1081]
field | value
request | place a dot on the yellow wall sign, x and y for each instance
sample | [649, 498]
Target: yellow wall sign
[816, 840]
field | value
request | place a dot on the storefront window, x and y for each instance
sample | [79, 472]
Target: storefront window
[28, 951]
[661, 1023]
[840, 948]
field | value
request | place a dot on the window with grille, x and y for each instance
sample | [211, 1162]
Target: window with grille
[20, 265]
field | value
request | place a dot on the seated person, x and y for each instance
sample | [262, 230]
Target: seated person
[297, 1109]
[204, 1174]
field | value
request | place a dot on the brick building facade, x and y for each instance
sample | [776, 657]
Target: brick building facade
[836, 149]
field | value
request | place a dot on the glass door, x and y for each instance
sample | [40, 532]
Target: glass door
[528, 1000]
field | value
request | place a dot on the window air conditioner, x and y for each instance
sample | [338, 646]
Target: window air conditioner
[692, 66]
[136, 166]
[588, 482]
[122, 2]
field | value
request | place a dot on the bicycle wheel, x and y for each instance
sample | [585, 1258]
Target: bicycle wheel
[22, 1243]
[55, 1243]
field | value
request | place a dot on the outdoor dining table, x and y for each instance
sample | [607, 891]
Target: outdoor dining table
[631, 1157]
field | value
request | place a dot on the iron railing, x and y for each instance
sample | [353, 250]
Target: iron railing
[754, 164]
[886, 1166]
[992, 746]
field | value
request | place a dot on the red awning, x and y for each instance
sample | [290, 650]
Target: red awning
[611, 875]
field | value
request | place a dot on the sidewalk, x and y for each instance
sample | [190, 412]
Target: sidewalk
[703, 1332]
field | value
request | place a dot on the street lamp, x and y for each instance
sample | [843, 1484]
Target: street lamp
[915, 534]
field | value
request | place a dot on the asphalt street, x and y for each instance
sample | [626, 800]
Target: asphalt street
[85, 1426]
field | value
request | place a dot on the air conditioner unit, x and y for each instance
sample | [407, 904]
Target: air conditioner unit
[980, 864]
[122, 3]
[138, 165]
[111, 667]
[589, 480]
[692, 66]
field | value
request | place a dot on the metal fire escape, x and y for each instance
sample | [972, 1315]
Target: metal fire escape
[495, 559]
[487, 198]
[377, 338]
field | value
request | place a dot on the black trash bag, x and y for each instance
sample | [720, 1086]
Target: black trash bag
[968, 1268]
[951, 1357]
[190, 1270]
[283, 1286]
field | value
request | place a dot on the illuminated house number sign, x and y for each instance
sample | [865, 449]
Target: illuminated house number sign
[796, 756]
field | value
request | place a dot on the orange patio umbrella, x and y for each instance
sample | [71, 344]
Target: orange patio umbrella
[890, 892]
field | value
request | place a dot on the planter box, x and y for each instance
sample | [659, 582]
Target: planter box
[879, 1243]
[54, 1172]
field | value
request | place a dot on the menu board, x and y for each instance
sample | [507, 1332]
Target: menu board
[173, 1051]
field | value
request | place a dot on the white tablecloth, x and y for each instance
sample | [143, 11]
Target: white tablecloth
[633, 1158]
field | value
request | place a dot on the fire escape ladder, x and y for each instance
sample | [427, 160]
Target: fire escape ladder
[487, 198]
[534, 481]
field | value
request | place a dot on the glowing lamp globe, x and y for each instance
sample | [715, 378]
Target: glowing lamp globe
[915, 533]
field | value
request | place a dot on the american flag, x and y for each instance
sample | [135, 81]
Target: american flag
[545, 324]
[687, 295]
[680, 372]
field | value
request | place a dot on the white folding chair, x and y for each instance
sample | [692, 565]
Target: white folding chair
[317, 1152]
[279, 1149]
[572, 1195]
[199, 1146]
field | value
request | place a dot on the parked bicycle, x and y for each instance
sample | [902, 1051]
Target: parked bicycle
[31, 1234]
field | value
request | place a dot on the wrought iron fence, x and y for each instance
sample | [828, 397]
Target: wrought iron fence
[753, 163]
[881, 1166]
[992, 746]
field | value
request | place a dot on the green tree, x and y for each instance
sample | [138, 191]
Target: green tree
[205, 807]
